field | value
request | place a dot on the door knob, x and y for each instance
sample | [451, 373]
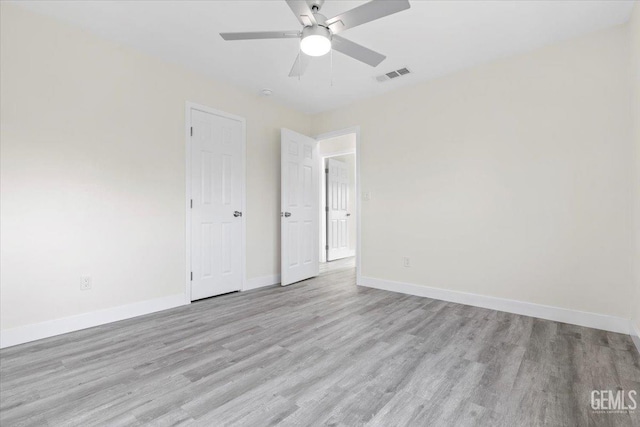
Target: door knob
[348, 214]
[237, 214]
[287, 214]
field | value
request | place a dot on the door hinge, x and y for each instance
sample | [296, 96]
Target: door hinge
[326, 208]
[192, 276]
[191, 131]
[191, 204]
[326, 248]
[326, 171]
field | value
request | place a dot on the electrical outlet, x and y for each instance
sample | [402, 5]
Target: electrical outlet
[406, 261]
[367, 196]
[85, 283]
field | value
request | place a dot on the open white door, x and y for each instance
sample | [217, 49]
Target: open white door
[299, 202]
[337, 210]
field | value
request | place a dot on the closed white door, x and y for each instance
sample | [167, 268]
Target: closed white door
[216, 209]
[299, 202]
[337, 210]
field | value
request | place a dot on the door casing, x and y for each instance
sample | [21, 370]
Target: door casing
[350, 130]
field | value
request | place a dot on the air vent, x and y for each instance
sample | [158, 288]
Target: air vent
[393, 74]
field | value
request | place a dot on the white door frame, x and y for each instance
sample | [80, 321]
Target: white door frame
[323, 192]
[193, 106]
[333, 134]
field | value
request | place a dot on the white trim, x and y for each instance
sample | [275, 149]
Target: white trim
[557, 314]
[635, 334]
[193, 106]
[337, 153]
[187, 200]
[50, 328]
[333, 134]
[261, 282]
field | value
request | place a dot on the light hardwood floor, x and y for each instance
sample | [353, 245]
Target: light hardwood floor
[321, 352]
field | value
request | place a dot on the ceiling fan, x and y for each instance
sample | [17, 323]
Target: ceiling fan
[319, 34]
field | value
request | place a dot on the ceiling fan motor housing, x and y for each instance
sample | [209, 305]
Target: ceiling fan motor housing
[316, 30]
[320, 19]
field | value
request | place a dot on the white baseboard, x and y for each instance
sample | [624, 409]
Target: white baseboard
[564, 315]
[635, 334]
[260, 282]
[50, 328]
[28, 333]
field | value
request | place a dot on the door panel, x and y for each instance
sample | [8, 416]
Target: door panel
[216, 191]
[337, 214]
[292, 232]
[299, 213]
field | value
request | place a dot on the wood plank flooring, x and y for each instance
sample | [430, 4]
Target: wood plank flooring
[321, 352]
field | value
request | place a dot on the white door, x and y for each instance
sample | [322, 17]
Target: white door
[300, 213]
[216, 210]
[337, 210]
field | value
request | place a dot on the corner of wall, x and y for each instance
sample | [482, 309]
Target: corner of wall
[634, 34]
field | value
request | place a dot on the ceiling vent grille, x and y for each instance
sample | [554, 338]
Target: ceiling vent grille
[393, 74]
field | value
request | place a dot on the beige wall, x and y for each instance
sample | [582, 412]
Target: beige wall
[634, 34]
[337, 144]
[93, 170]
[511, 179]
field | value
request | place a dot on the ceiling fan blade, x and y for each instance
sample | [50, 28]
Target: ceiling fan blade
[357, 51]
[302, 11]
[368, 12]
[300, 65]
[255, 35]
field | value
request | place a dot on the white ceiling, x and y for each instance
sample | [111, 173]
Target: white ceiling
[432, 38]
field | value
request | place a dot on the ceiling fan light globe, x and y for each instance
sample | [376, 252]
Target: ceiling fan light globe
[315, 45]
[316, 40]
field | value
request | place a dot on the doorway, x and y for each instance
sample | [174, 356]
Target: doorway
[338, 206]
[303, 230]
[215, 202]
